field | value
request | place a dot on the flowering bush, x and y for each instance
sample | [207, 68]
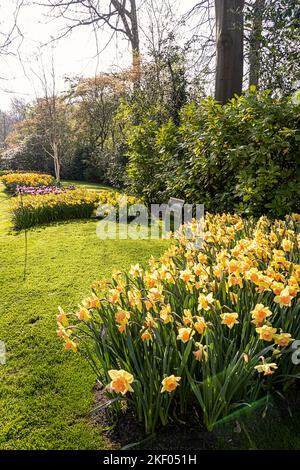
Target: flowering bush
[242, 156]
[212, 326]
[30, 210]
[13, 180]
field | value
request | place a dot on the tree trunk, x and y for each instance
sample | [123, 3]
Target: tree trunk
[255, 42]
[56, 161]
[230, 57]
[135, 44]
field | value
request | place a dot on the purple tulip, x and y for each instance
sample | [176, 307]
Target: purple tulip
[34, 191]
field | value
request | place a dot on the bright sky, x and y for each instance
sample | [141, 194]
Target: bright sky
[73, 55]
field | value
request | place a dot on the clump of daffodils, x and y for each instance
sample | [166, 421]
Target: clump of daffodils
[13, 180]
[29, 210]
[210, 325]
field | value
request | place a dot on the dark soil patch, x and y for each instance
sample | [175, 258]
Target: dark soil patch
[126, 431]
[243, 431]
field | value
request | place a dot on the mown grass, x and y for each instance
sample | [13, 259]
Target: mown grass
[90, 186]
[45, 392]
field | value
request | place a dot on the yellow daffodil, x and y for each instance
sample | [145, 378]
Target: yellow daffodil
[148, 304]
[266, 333]
[83, 314]
[91, 302]
[166, 274]
[70, 345]
[121, 381]
[253, 275]
[187, 317]
[265, 368]
[217, 271]
[166, 314]
[169, 384]
[156, 295]
[277, 287]
[200, 325]
[135, 299]
[202, 258]
[229, 319]
[283, 340]
[187, 276]
[150, 322]
[259, 314]
[293, 289]
[235, 280]
[62, 317]
[185, 334]
[286, 244]
[122, 316]
[233, 266]
[199, 270]
[201, 352]
[62, 332]
[136, 271]
[204, 301]
[114, 296]
[284, 299]
[146, 335]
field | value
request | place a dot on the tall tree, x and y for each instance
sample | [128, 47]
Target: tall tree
[272, 40]
[95, 102]
[229, 45]
[255, 42]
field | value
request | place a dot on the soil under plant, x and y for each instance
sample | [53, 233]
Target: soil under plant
[249, 430]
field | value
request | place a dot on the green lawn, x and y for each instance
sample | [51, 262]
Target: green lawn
[90, 186]
[46, 392]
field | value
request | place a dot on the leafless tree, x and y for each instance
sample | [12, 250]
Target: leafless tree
[119, 15]
[50, 117]
[14, 34]
[199, 26]
[11, 36]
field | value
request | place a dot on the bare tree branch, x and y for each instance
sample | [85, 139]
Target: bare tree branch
[118, 15]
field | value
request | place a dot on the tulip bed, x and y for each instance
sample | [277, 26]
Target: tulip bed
[12, 180]
[210, 328]
[39, 190]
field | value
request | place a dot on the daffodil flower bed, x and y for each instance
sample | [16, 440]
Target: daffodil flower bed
[38, 208]
[34, 210]
[211, 328]
[116, 199]
[12, 180]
